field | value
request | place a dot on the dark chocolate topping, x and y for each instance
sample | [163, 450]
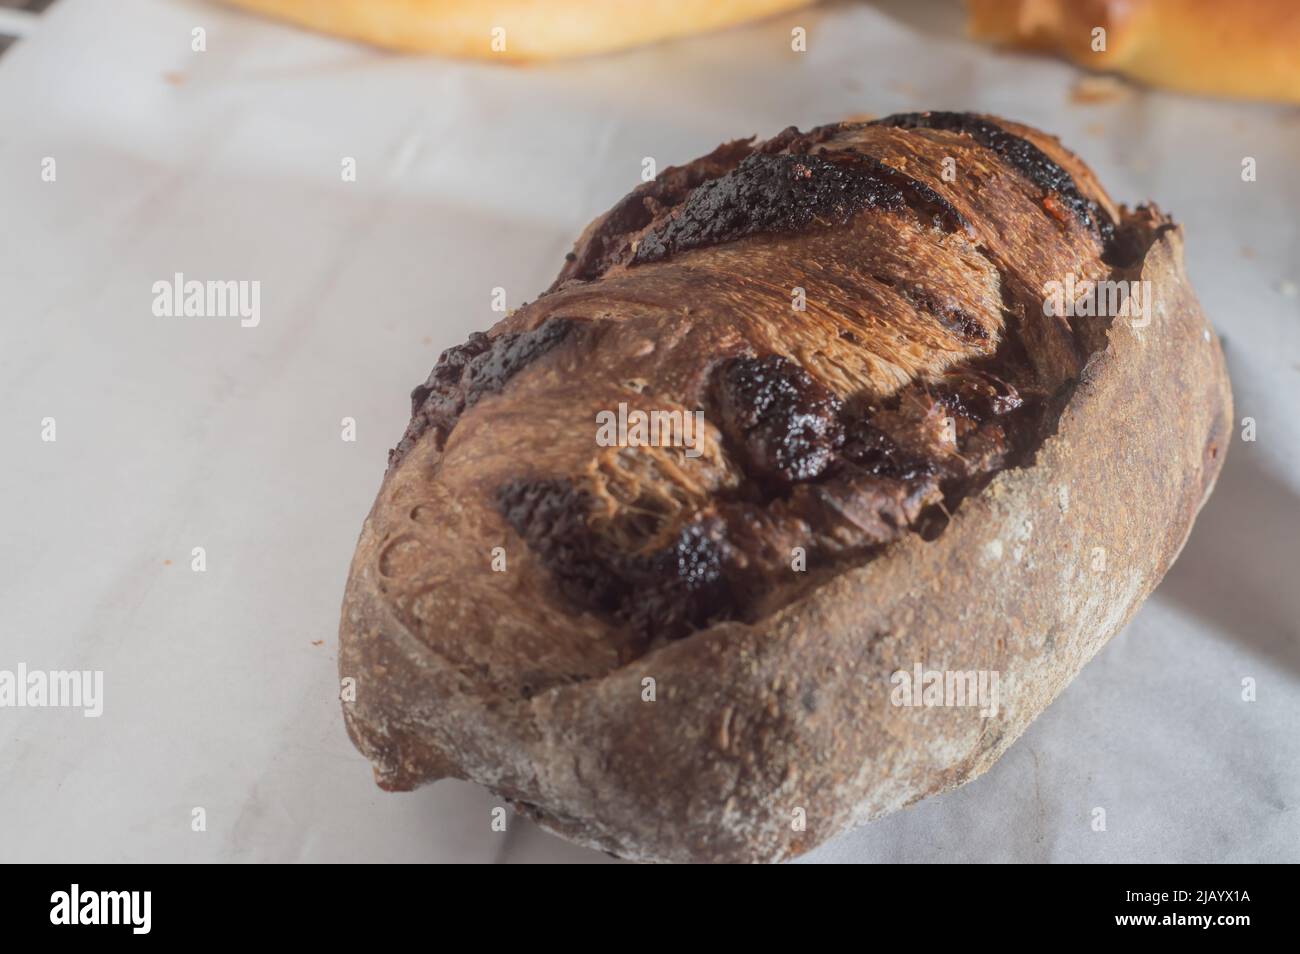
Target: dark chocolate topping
[785, 423]
[1020, 154]
[466, 372]
[607, 242]
[671, 589]
[776, 193]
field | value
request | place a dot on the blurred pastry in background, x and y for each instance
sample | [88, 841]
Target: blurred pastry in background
[1244, 48]
[516, 29]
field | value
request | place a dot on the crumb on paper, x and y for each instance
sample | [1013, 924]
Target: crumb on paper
[167, 562]
[174, 78]
[1091, 90]
[318, 642]
[1247, 251]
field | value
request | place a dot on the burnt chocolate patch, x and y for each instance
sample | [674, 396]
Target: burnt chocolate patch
[466, 372]
[877, 454]
[929, 206]
[1020, 154]
[665, 592]
[786, 424]
[980, 397]
[553, 517]
[608, 244]
[488, 372]
[683, 586]
[951, 316]
[782, 193]
[791, 140]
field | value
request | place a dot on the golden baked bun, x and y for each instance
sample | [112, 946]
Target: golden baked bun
[1244, 48]
[533, 29]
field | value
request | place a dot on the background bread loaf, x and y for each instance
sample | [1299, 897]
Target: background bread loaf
[1247, 49]
[515, 29]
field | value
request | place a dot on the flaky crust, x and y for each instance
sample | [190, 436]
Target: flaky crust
[1249, 50]
[756, 722]
[534, 29]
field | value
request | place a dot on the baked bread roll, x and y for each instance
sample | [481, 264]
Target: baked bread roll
[876, 455]
[533, 29]
[1248, 49]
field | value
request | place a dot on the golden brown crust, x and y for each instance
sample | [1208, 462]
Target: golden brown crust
[507, 679]
[533, 29]
[1245, 49]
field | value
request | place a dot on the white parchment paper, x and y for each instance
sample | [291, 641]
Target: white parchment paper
[220, 686]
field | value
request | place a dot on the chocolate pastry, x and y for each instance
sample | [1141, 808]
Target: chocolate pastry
[861, 434]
